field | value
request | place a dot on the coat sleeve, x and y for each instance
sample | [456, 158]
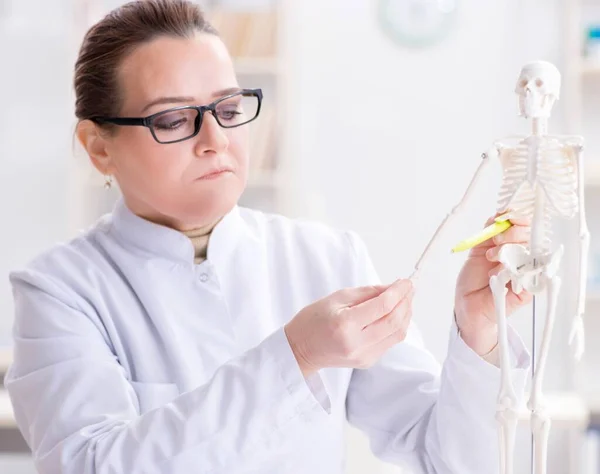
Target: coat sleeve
[79, 413]
[432, 418]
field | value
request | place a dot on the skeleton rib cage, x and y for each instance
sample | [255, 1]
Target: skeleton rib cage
[551, 176]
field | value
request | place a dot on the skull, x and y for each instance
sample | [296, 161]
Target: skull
[538, 87]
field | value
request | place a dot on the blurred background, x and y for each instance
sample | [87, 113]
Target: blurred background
[376, 115]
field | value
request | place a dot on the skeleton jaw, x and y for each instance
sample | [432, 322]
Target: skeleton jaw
[534, 105]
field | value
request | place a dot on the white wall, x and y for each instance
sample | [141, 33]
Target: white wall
[34, 152]
[388, 138]
[45, 178]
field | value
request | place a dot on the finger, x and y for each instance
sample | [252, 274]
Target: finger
[519, 299]
[490, 220]
[373, 309]
[396, 337]
[492, 253]
[515, 219]
[513, 235]
[348, 297]
[497, 214]
[374, 353]
[494, 271]
[391, 323]
[483, 247]
[524, 221]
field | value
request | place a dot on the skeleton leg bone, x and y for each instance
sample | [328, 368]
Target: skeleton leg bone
[507, 398]
[540, 422]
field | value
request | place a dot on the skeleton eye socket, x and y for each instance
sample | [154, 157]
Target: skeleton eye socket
[523, 82]
[539, 82]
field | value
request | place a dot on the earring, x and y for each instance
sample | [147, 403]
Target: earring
[108, 181]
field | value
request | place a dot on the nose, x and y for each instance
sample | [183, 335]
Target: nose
[533, 85]
[212, 137]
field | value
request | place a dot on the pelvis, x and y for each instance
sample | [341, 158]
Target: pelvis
[529, 272]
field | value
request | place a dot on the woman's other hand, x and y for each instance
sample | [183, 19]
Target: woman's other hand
[352, 327]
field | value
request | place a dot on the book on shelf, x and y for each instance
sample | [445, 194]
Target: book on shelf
[262, 141]
[247, 34]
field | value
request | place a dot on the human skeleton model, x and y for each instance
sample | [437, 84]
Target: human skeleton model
[542, 179]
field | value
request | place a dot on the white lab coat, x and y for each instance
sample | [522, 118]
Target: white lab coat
[129, 358]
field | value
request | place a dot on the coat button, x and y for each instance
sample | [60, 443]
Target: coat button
[203, 277]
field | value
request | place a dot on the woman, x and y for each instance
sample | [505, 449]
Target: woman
[183, 333]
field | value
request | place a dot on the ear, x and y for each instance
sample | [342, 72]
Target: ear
[95, 144]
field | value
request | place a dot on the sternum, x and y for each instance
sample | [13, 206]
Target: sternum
[538, 223]
[532, 160]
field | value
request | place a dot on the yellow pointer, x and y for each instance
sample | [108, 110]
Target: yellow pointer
[490, 231]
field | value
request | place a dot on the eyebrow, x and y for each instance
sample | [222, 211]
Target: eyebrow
[180, 99]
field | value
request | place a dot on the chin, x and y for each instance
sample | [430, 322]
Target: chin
[211, 204]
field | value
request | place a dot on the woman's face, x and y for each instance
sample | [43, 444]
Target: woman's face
[174, 184]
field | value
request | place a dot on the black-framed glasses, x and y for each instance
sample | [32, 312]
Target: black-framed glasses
[182, 123]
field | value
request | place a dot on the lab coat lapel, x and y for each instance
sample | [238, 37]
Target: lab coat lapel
[245, 267]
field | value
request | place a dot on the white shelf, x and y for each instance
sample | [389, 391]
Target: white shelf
[592, 173]
[593, 297]
[566, 408]
[589, 66]
[5, 359]
[256, 66]
[563, 408]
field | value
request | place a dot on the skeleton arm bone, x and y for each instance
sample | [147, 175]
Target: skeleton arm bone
[486, 159]
[576, 337]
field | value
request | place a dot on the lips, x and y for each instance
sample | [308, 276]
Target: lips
[214, 173]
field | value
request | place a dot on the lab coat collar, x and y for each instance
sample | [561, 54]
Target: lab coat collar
[159, 241]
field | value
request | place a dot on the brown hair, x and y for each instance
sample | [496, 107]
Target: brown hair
[108, 42]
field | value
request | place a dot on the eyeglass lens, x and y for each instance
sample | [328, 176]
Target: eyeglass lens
[174, 125]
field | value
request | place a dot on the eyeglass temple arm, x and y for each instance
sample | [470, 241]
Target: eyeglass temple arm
[121, 120]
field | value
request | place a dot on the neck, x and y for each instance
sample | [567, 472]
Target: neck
[199, 230]
[199, 236]
[540, 126]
